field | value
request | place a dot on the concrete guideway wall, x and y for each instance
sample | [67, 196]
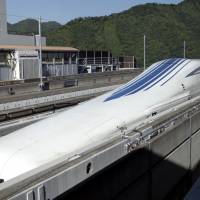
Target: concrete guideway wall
[54, 98]
[83, 80]
[173, 165]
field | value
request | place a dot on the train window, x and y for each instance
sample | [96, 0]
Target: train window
[195, 72]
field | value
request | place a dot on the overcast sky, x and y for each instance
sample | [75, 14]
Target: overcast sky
[65, 10]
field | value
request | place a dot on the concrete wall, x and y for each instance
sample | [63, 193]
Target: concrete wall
[163, 169]
[19, 40]
[5, 73]
[3, 19]
[83, 80]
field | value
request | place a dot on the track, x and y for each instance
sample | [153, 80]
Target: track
[16, 124]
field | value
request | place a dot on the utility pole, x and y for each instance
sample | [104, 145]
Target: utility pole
[144, 52]
[184, 49]
[40, 52]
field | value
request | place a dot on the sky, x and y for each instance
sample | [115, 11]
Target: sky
[63, 11]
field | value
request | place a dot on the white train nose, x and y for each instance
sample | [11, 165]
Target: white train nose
[87, 125]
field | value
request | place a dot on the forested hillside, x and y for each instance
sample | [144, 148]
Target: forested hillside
[166, 27]
[30, 27]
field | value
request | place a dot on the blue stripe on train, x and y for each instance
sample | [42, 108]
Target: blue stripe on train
[182, 61]
[156, 77]
[176, 73]
[195, 72]
[146, 80]
[140, 78]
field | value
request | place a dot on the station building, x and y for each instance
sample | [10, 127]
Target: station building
[18, 62]
[22, 62]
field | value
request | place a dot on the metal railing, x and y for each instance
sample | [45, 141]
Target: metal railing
[97, 61]
[128, 61]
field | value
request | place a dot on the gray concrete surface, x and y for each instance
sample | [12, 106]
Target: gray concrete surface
[57, 83]
[163, 171]
[195, 150]
[169, 172]
[165, 144]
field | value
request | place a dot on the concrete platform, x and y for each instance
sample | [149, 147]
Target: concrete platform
[24, 87]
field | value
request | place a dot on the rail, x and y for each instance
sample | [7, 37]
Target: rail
[60, 78]
[25, 104]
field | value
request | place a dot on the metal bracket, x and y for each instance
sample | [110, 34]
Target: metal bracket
[133, 142]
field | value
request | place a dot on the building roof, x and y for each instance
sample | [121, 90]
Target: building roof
[44, 48]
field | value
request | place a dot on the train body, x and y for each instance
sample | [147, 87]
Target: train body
[163, 85]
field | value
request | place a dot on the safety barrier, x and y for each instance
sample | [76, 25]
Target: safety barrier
[54, 98]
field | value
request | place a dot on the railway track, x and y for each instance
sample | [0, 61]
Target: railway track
[8, 127]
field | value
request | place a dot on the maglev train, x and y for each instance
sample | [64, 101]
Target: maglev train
[163, 85]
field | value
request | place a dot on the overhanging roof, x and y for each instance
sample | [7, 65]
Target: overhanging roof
[44, 48]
